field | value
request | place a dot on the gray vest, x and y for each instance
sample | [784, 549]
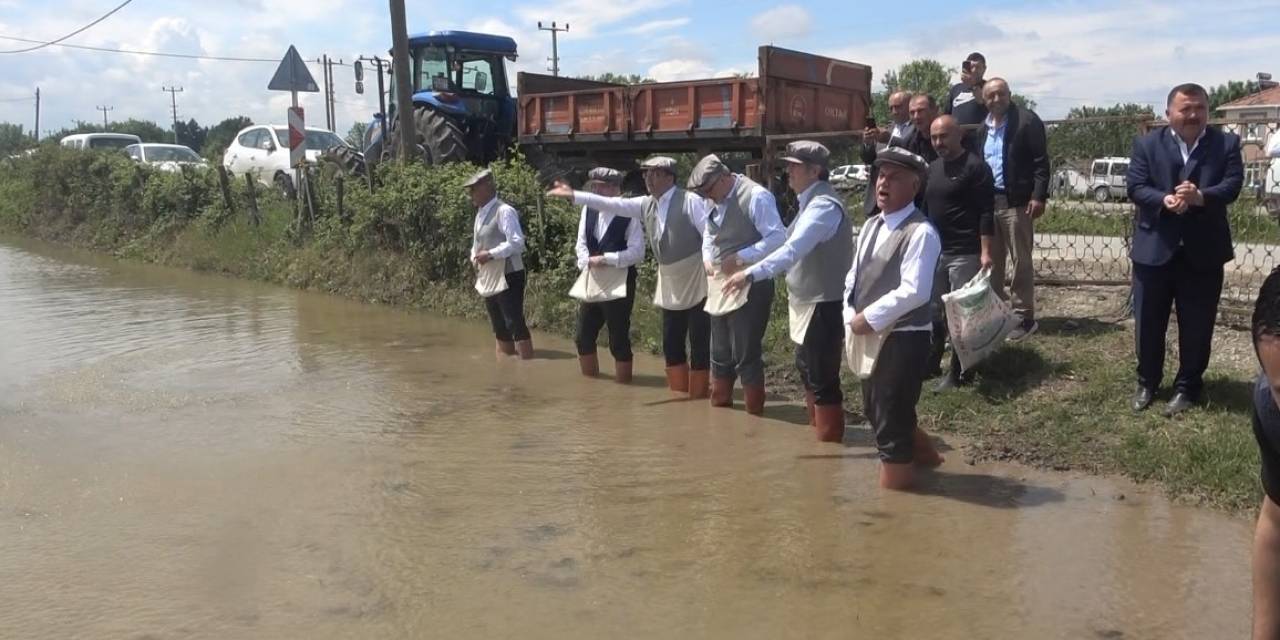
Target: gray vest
[881, 272]
[490, 235]
[679, 239]
[735, 231]
[819, 276]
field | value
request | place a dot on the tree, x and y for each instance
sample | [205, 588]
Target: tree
[918, 76]
[13, 139]
[145, 129]
[191, 134]
[617, 78]
[1079, 143]
[355, 135]
[1232, 90]
[220, 135]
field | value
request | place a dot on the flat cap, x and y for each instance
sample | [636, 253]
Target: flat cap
[479, 176]
[660, 162]
[807, 152]
[902, 158]
[605, 175]
[708, 168]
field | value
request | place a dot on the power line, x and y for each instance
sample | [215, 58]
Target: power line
[162, 54]
[77, 31]
[16, 99]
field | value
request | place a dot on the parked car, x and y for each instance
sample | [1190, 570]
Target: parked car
[1107, 179]
[850, 176]
[263, 151]
[99, 140]
[165, 157]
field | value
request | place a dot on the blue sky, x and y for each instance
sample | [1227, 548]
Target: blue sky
[1062, 54]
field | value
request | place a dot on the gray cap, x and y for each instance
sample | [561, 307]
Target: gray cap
[708, 169]
[605, 175]
[660, 162]
[902, 158]
[807, 152]
[480, 176]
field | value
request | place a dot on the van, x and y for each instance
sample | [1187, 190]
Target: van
[1107, 179]
[107, 141]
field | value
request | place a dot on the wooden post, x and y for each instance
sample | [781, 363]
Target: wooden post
[342, 212]
[309, 188]
[225, 185]
[251, 190]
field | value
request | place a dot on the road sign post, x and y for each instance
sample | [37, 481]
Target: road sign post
[297, 138]
[293, 76]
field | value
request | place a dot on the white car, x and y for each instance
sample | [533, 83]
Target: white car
[263, 151]
[99, 140]
[850, 176]
[165, 157]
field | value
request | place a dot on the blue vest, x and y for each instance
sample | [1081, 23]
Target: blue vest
[614, 239]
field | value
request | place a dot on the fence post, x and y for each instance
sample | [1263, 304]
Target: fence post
[251, 190]
[342, 211]
[225, 185]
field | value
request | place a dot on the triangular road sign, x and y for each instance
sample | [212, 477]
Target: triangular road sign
[293, 74]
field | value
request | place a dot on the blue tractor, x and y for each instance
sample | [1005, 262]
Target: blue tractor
[463, 109]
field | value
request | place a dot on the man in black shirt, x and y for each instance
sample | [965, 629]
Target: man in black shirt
[922, 111]
[959, 197]
[1266, 429]
[965, 99]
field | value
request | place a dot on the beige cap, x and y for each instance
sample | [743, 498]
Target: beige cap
[708, 169]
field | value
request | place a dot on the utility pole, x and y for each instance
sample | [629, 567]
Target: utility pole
[173, 96]
[404, 92]
[324, 81]
[104, 110]
[555, 49]
[36, 132]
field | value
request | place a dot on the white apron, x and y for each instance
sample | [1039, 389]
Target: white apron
[860, 352]
[681, 284]
[800, 314]
[600, 284]
[491, 278]
[720, 303]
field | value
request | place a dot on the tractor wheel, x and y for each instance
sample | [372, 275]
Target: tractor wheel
[440, 136]
[349, 162]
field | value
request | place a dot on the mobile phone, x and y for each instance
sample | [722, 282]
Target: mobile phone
[870, 122]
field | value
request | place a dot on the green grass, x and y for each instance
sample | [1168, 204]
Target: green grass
[1248, 223]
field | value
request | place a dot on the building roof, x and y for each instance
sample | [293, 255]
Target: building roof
[1265, 98]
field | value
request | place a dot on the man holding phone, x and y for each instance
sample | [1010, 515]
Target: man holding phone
[964, 102]
[897, 135]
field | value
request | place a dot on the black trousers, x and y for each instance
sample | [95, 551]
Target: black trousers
[616, 314]
[890, 393]
[736, 338]
[692, 325]
[1194, 294]
[818, 358]
[506, 310]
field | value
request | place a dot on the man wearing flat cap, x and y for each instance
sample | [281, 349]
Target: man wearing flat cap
[742, 228]
[887, 293]
[497, 236]
[816, 256]
[674, 220]
[607, 241]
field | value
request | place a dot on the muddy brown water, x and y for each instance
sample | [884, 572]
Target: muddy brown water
[184, 456]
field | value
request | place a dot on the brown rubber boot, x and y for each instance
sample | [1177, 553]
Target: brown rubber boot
[897, 476]
[699, 384]
[589, 364]
[525, 349]
[829, 422]
[504, 349]
[925, 453]
[721, 392]
[622, 372]
[678, 378]
[753, 396]
[811, 401]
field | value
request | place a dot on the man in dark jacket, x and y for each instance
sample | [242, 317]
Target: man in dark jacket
[899, 131]
[1012, 141]
[1181, 178]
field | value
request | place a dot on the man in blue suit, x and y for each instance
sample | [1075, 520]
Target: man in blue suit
[1181, 177]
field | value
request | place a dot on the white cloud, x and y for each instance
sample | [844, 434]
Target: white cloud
[655, 26]
[781, 23]
[586, 17]
[680, 69]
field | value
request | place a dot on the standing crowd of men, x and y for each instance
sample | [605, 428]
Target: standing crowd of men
[955, 192]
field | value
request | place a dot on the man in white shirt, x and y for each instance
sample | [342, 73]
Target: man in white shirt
[674, 220]
[742, 228]
[816, 255]
[607, 241]
[887, 293]
[497, 236]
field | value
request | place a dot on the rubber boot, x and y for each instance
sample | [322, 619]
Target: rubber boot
[622, 372]
[589, 364]
[753, 396]
[721, 392]
[897, 476]
[699, 384]
[678, 378]
[504, 349]
[925, 453]
[810, 401]
[829, 422]
[525, 349]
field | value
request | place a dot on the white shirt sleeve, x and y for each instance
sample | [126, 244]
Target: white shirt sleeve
[816, 224]
[918, 264]
[764, 214]
[699, 209]
[625, 207]
[634, 252]
[708, 247]
[580, 247]
[509, 223]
